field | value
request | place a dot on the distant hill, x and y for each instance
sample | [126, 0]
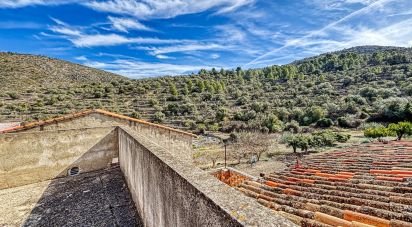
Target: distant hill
[23, 71]
[371, 49]
[364, 50]
[339, 89]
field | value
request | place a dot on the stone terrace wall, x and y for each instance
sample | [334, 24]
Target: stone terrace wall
[169, 192]
[177, 143]
[30, 157]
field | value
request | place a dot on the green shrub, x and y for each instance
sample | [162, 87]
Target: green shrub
[221, 114]
[135, 115]
[259, 107]
[242, 101]
[213, 127]
[172, 98]
[377, 132]
[13, 95]
[159, 117]
[245, 115]
[190, 124]
[369, 92]
[273, 123]
[342, 138]
[201, 128]
[323, 139]
[408, 90]
[346, 122]
[292, 126]
[324, 123]
[153, 102]
[173, 89]
[312, 115]
[52, 100]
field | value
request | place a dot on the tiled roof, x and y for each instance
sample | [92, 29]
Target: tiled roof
[367, 185]
[30, 125]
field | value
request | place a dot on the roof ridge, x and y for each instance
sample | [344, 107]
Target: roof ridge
[29, 125]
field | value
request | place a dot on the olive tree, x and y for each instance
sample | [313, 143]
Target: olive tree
[401, 129]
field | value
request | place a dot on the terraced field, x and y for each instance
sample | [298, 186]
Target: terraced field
[364, 185]
[342, 89]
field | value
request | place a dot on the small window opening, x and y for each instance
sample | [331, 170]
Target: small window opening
[74, 171]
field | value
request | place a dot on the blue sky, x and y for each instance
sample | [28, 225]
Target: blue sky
[144, 38]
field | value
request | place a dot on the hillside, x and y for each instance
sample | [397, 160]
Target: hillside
[364, 50]
[343, 89]
[22, 71]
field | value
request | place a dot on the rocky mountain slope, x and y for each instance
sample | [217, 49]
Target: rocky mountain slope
[22, 71]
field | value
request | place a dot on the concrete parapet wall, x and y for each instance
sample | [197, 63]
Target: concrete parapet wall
[31, 157]
[169, 192]
[175, 142]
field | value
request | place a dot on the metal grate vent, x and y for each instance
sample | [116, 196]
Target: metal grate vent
[74, 171]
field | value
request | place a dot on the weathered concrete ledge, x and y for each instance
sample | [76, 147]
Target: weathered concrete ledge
[171, 192]
[172, 139]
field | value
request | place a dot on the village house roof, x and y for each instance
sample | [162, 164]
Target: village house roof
[358, 184]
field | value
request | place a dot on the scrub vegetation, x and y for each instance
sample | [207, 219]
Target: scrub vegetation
[301, 106]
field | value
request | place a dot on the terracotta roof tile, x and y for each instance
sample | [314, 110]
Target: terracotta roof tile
[331, 191]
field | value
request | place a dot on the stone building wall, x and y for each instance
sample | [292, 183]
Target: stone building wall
[30, 157]
[169, 192]
[176, 142]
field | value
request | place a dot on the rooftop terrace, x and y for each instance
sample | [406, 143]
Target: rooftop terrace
[129, 173]
[98, 198]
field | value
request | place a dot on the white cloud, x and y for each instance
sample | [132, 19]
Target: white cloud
[165, 8]
[229, 32]
[140, 69]
[81, 39]
[235, 5]
[19, 3]
[66, 31]
[114, 40]
[333, 37]
[396, 34]
[214, 56]
[126, 24]
[161, 56]
[24, 3]
[185, 48]
[81, 58]
[141, 8]
[337, 4]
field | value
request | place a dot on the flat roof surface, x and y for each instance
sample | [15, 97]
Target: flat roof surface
[99, 198]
